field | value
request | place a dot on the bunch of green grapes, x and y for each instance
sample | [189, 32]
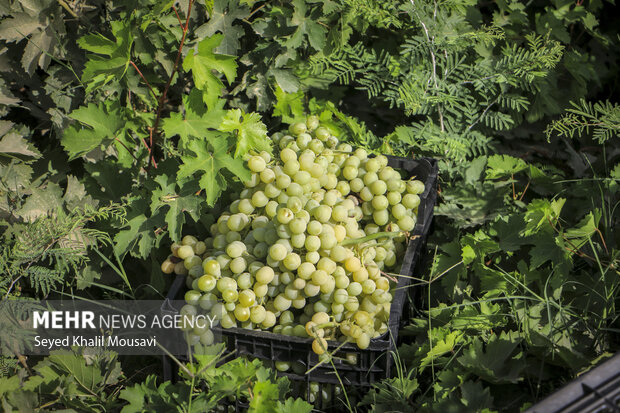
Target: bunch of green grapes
[306, 247]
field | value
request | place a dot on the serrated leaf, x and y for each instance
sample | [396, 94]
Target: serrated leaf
[196, 121]
[105, 124]
[265, 397]
[97, 43]
[306, 26]
[138, 236]
[36, 52]
[13, 143]
[42, 202]
[177, 205]
[542, 213]
[444, 345]
[18, 27]
[294, 406]
[285, 79]
[251, 133]
[224, 14]
[210, 157]
[204, 62]
[290, 106]
[99, 118]
[500, 166]
[476, 397]
[546, 248]
[495, 361]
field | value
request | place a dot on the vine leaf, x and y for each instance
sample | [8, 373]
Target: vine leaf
[224, 13]
[210, 157]
[105, 124]
[251, 132]
[196, 121]
[166, 196]
[495, 363]
[99, 70]
[306, 26]
[204, 62]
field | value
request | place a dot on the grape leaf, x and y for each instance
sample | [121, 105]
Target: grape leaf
[140, 230]
[100, 70]
[504, 165]
[306, 26]
[166, 196]
[294, 406]
[13, 143]
[18, 27]
[542, 213]
[251, 132]
[290, 106]
[224, 13]
[210, 162]
[105, 124]
[265, 397]
[495, 363]
[196, 121]
[547, 247]
[204, 62]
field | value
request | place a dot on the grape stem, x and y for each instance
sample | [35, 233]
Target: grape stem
[389, 234]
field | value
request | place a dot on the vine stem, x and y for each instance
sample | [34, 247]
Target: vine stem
[162, 98]
[144, 79]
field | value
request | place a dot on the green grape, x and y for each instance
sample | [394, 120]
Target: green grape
[294, 189]
[228, 321]
[247, 298]
[298, 240]
[380, 202]
[378, 187]
[287, 155]
[399, 211]
[366, 194]
[232, 237]
[242, 313]
[415, 187]
[258, 314]
[277, 252]
[292, 261]
[311, 289]
[211, 267]
[297, 226]
[189, 240]
[381, 217]
[272, 191]
[184, 251]
[235, 249]
[259, 199]
[298, 128]
[406, 223]
[411, 201]
[261, 290]
[256, 164]
[192, 297]
[281, 303]
[283, 181]
[339, 213]
[267, 176]
[206, 283]
[265, 275]
[314, 227]
[369, 178]
[230, 296]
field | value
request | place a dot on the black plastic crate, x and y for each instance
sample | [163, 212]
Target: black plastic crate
[597, 391]
[373, 363]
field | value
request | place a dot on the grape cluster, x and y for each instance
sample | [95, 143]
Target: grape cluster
[304, 249]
